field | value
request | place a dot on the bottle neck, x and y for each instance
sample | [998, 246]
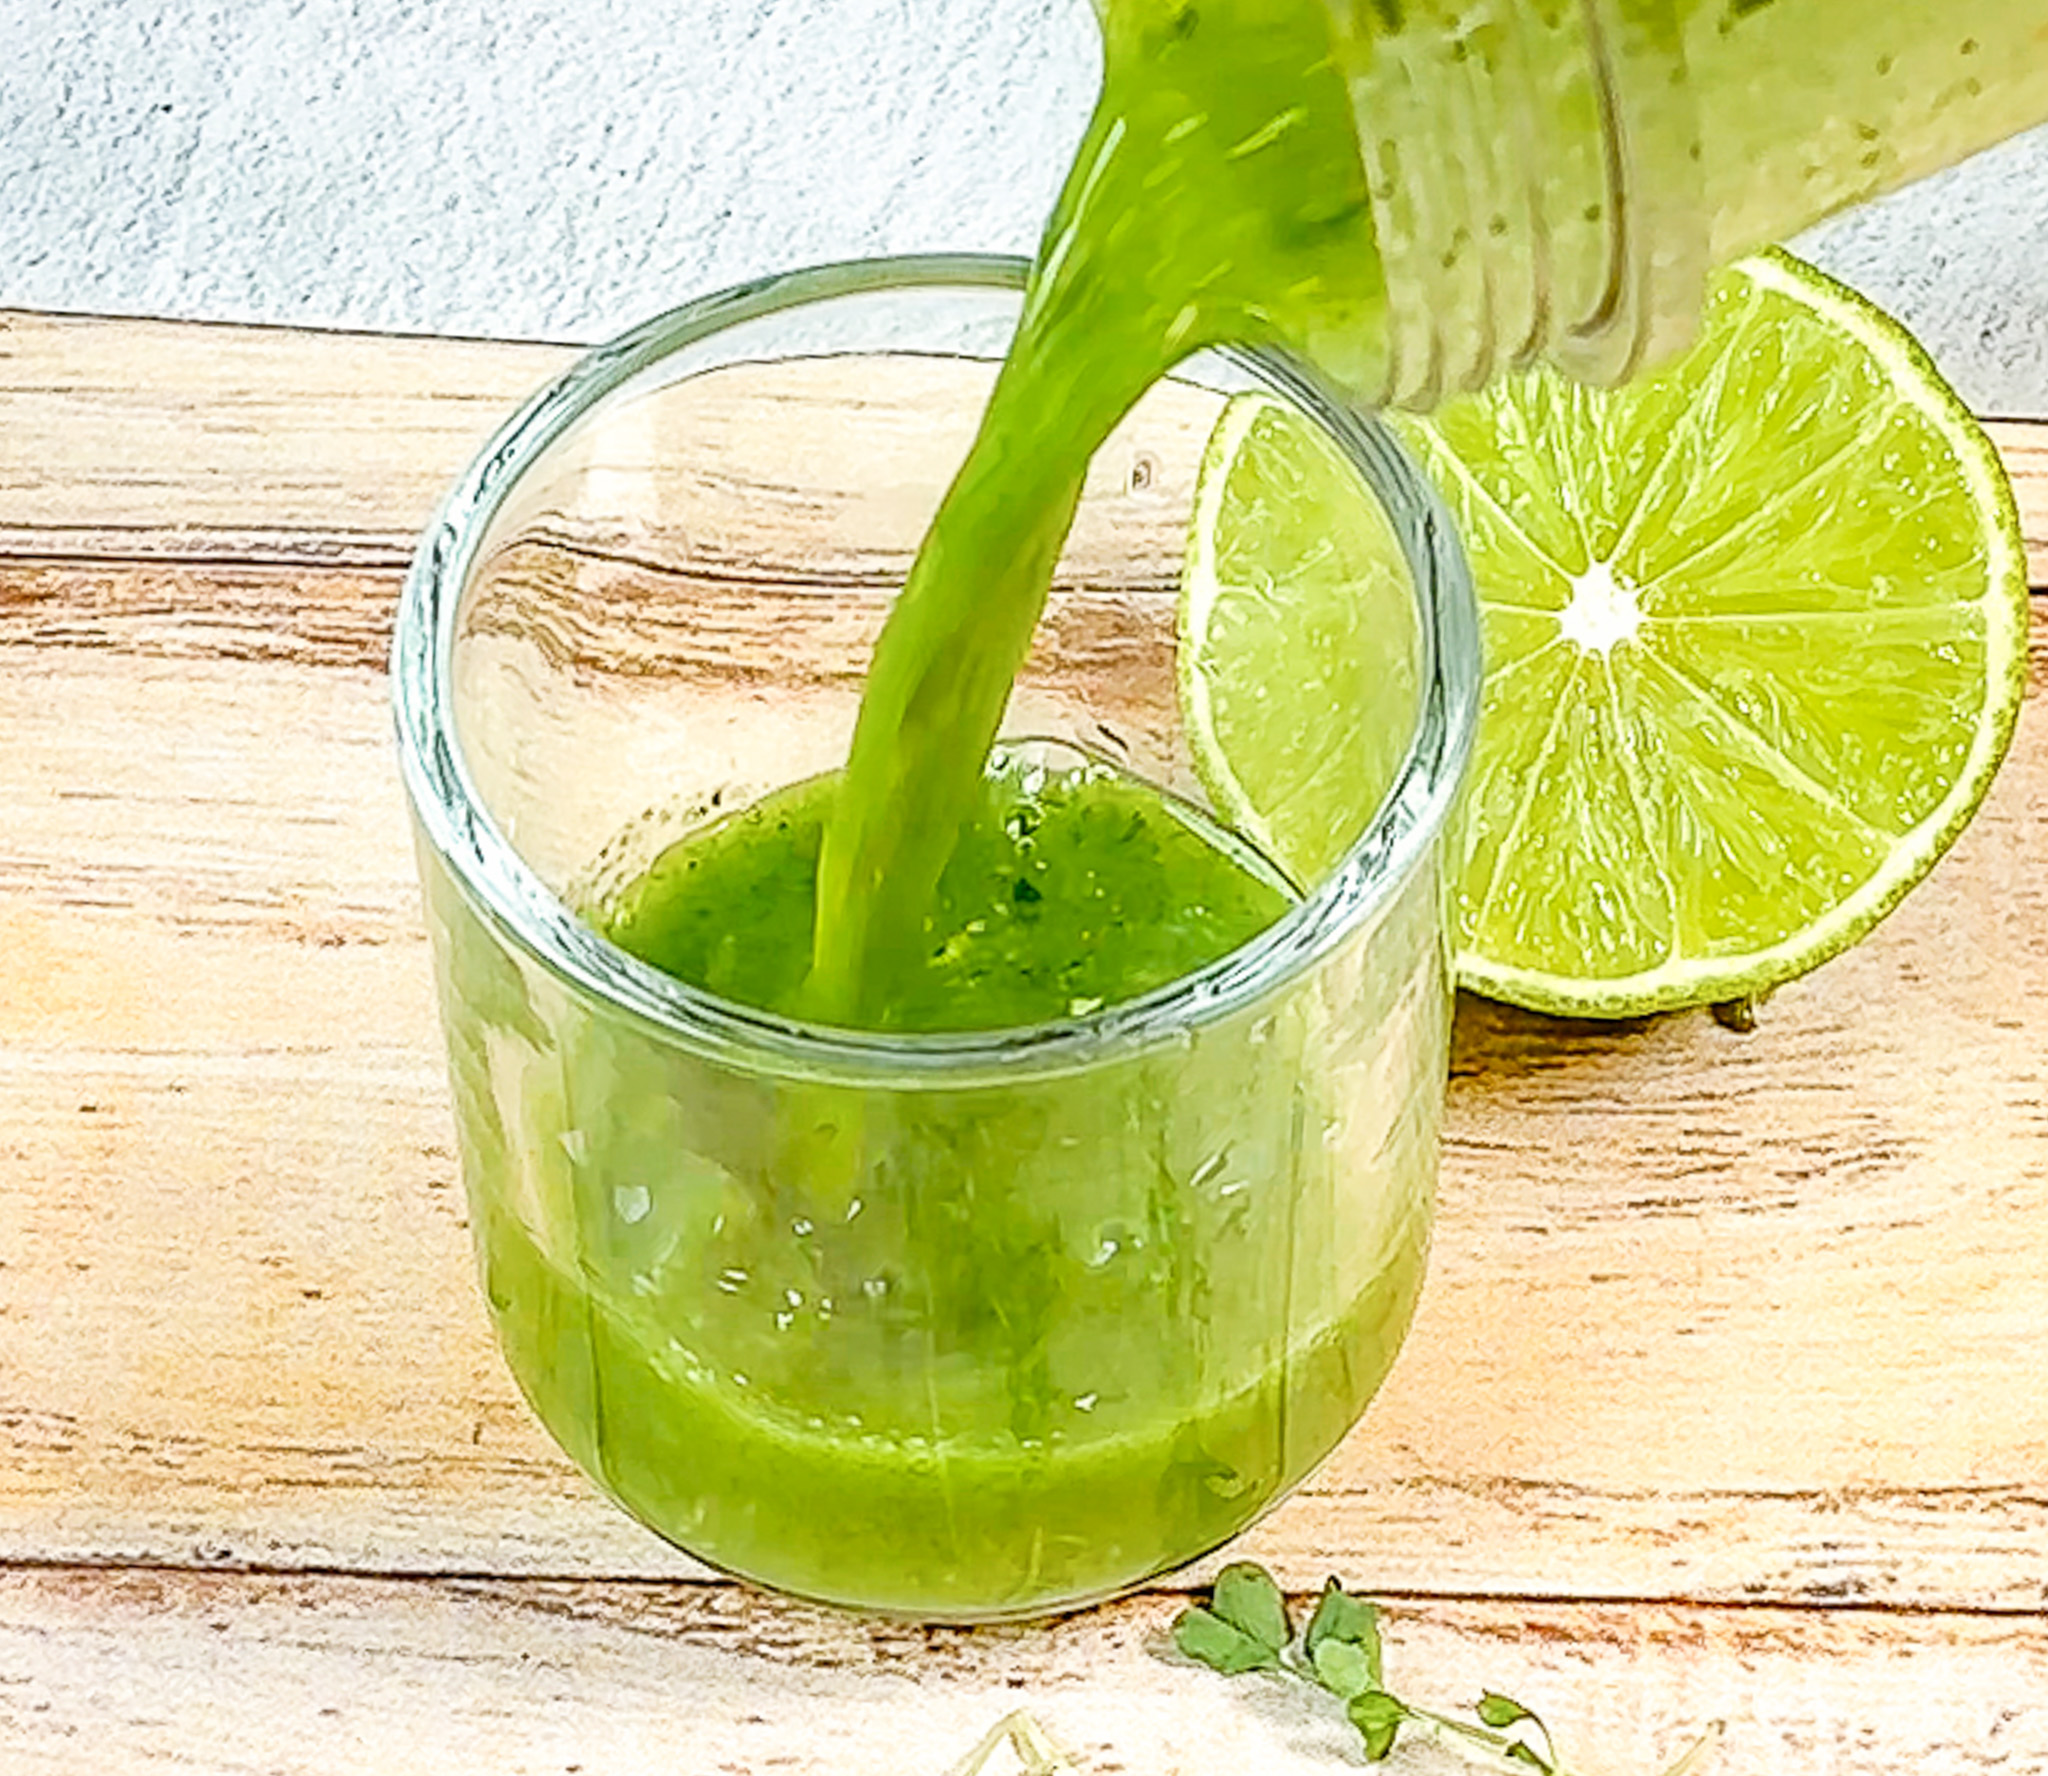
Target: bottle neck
[1534, 169]
[1556, 178]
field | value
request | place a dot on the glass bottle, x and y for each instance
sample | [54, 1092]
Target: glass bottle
[1556, 178]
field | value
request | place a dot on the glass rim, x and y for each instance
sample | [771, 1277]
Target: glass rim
[505, 891]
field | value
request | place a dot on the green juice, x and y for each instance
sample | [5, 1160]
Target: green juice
[961, 1352]
[971, 1369]
[824, 1476]
[1069, 886]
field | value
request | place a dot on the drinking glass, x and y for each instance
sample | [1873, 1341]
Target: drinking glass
[954, 1326]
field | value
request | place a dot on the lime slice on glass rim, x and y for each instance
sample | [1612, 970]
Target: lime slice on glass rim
[1755, 634]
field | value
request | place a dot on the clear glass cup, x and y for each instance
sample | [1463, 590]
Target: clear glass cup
[1077, 1302]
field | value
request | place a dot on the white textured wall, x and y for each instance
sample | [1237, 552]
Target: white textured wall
[559, 168]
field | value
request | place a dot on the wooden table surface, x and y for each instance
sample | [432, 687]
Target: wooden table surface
[1725, 1400]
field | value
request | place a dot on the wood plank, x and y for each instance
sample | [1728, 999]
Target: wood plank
[1712, 1317]
[178, 440]
[1715, 1320]
[2023, 448]
[172, 440]
[706, 626]
[310, 616]
[149, 1671]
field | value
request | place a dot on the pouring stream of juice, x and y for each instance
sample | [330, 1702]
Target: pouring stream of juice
[1243, 106]
[1413, 198]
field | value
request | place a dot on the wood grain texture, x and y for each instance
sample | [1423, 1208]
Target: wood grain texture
[1711, 1316]
[2023, 446]
[145, 1671]
[166, 440]
[172, 441]
[1719, 1403]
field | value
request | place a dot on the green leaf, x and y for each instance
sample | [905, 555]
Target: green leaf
[1247, 1598]
[1343, 1669]
[1221, 1645]
[1378, 1718]
[1497, 1710]
[1349, 1621]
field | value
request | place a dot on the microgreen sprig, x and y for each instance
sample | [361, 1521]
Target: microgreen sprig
[1245, 1627]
